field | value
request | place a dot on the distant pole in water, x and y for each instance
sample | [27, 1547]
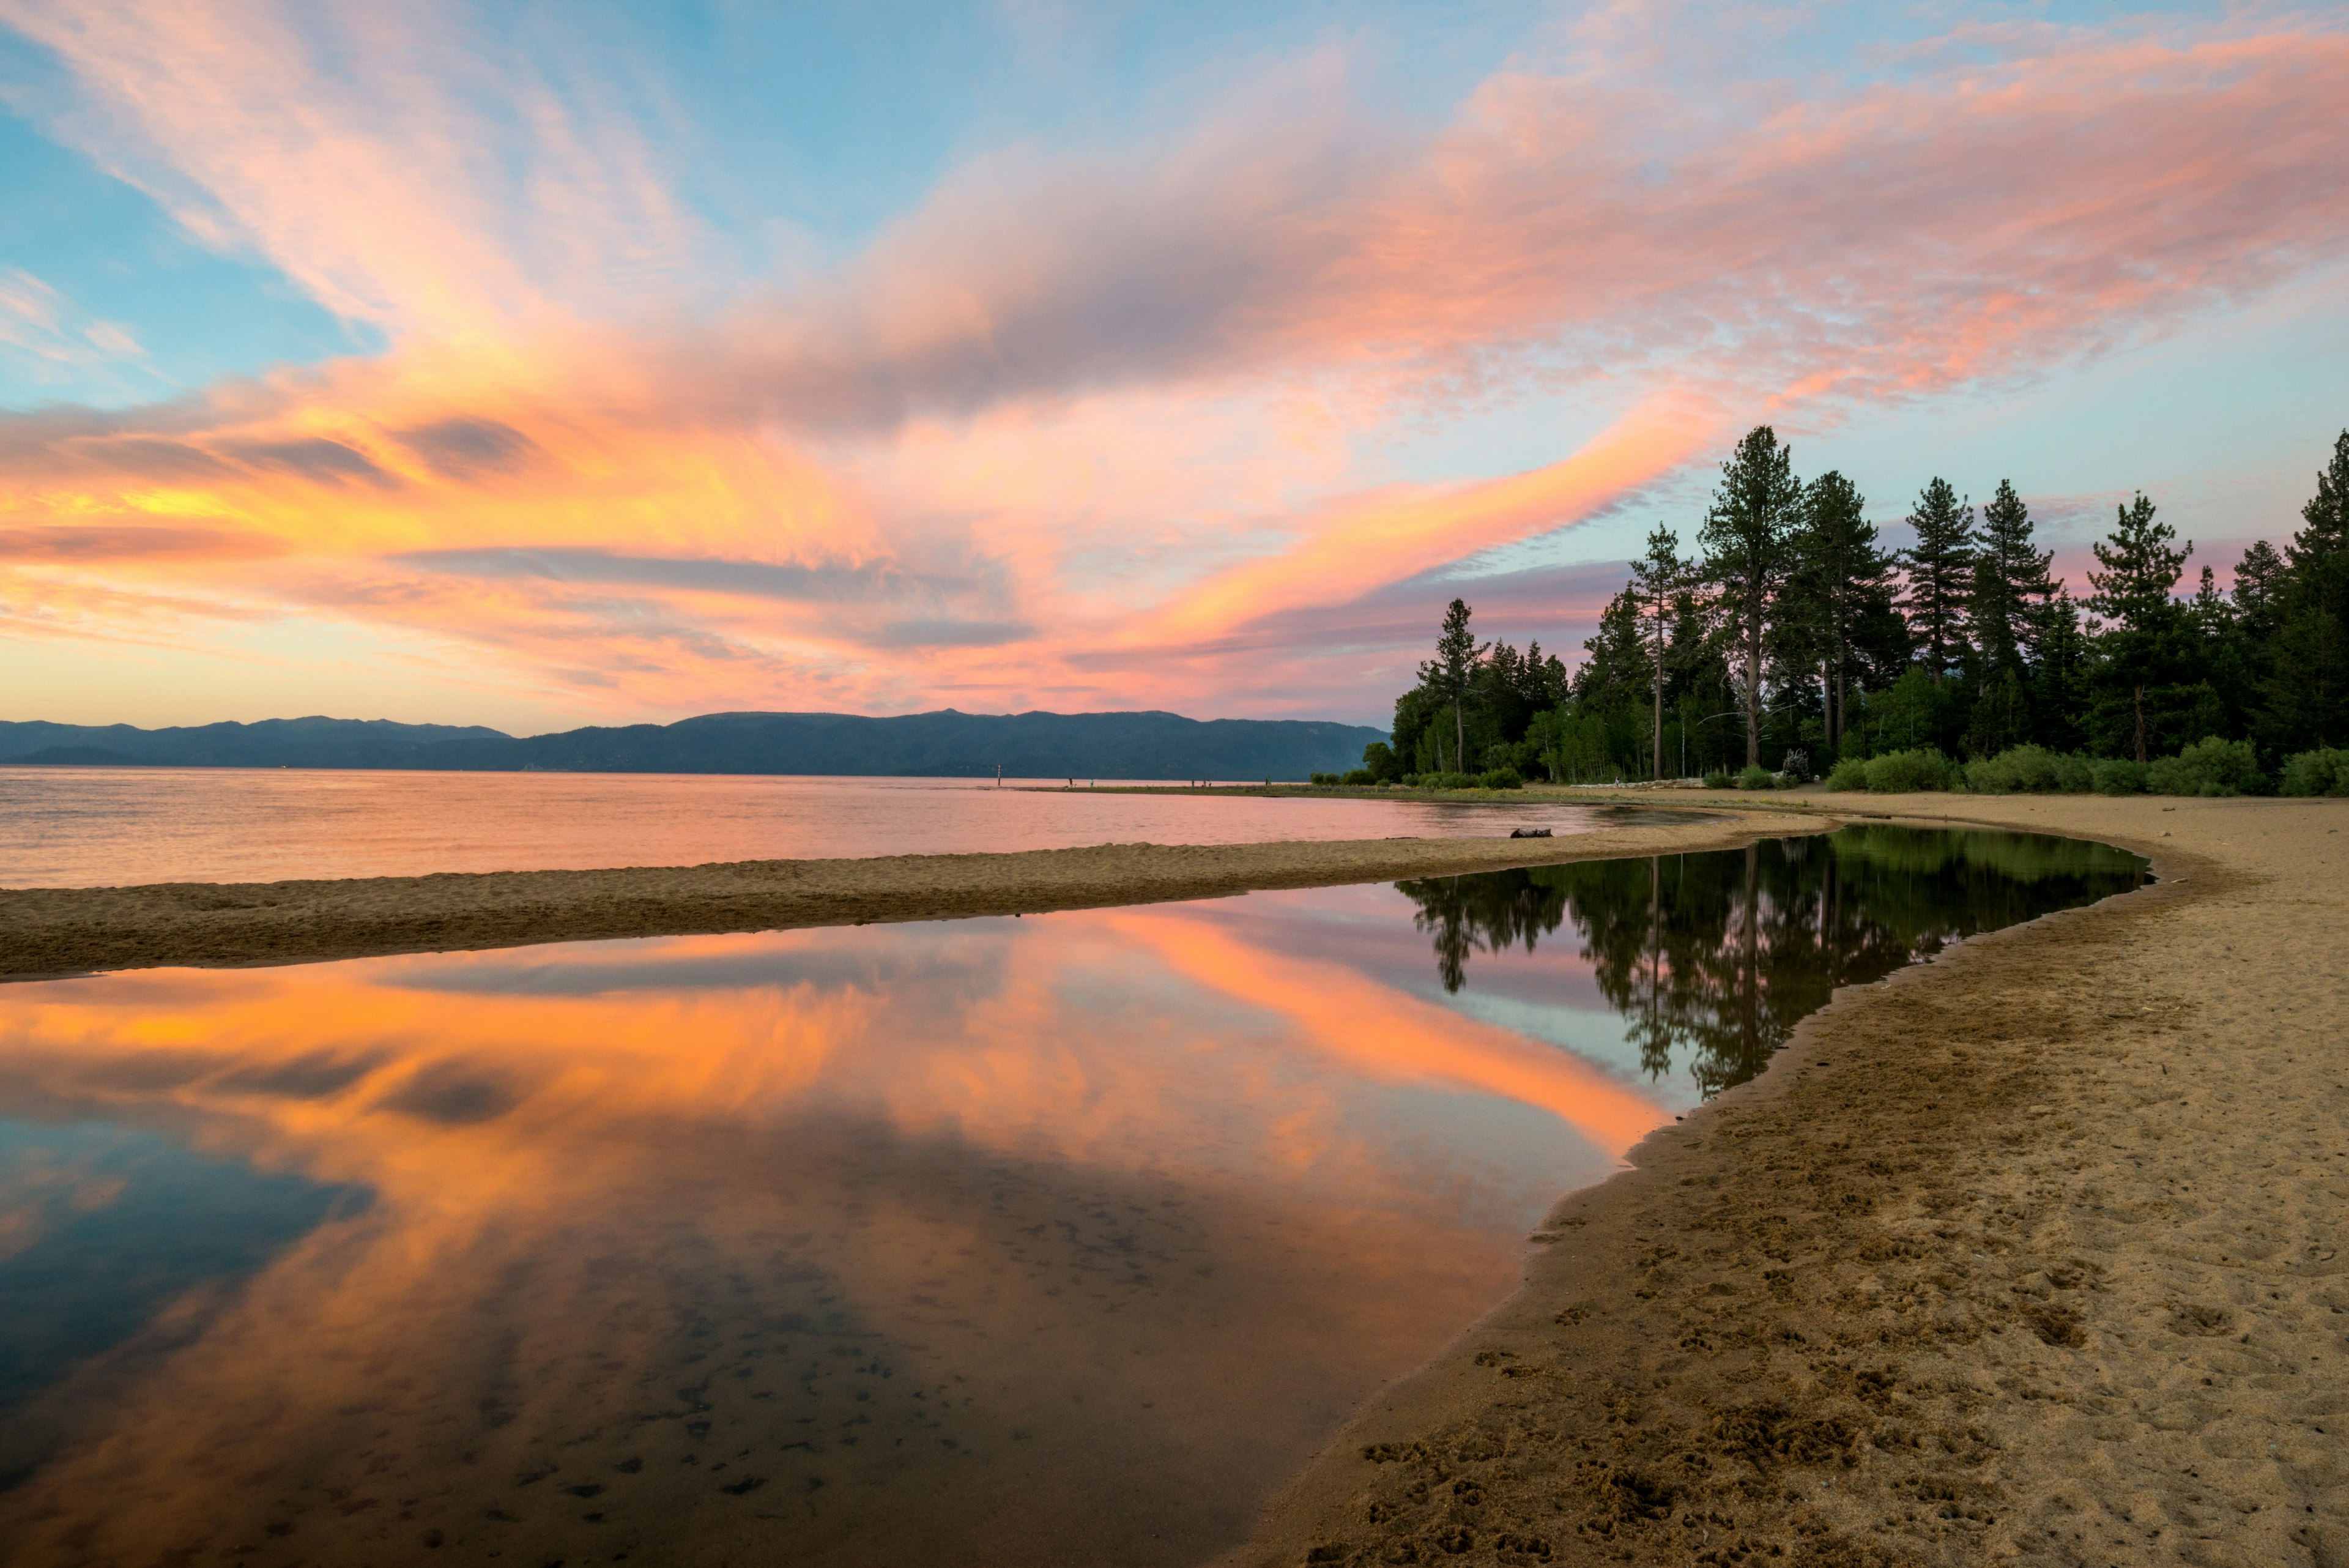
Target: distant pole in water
[998, 775]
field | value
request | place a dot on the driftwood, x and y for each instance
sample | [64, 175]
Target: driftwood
[1529, 833]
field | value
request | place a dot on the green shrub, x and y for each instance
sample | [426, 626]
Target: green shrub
[1501, 778]
[1321, 778]
[1380, 763]
[1361, 777]
[1903, 773]
[2117, 776]
[1851, 773]
[1757, 776]
[1719, 779]
[2030, 769]
[2210, 767]
[1448, 781]
[2324, 771]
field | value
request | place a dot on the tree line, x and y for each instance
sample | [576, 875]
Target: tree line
[1791, 638]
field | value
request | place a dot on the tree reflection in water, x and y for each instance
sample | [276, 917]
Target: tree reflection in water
[1714, 957]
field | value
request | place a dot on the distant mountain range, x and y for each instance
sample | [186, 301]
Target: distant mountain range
[944, 744]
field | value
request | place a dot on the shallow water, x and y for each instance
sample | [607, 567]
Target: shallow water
[85, 827]
[1057, 1238]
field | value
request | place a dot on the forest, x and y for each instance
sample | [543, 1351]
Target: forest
[1788, 643]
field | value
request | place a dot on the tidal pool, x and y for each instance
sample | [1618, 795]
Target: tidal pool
[1056, 1239]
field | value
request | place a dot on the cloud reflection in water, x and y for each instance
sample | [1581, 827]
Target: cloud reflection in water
[1088, 1225]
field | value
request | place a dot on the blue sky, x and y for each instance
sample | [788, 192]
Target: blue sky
[1117, 356]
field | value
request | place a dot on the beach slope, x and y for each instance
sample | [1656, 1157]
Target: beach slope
[2039, 1252]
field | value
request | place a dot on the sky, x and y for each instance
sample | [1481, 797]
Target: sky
[537, 365]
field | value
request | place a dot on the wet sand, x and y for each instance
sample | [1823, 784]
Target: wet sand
[2034, 1252]
[48, 932]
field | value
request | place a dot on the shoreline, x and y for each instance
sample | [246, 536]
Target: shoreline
[2027, 1251]
[47, 933]
[2031, 1252]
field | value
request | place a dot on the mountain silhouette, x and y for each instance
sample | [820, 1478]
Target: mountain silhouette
[943, 744]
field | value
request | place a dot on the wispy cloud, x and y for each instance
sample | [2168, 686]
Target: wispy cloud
[1150, 387]
[41, 327]
[409, 166]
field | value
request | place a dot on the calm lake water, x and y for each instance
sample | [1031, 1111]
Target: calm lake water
[1056, 1240]
[79, 827]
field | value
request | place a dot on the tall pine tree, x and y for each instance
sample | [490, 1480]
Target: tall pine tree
[2141, 642]
[1658, 578]
[1745, 533]
[2011, 586]
[2010, 582]
[2261, 578]
[2308, 696]
[1940, 573]
[1451, 671]
[1839, 599]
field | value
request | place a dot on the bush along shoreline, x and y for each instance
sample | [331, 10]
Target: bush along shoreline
[1796, 642]
[2211, 767]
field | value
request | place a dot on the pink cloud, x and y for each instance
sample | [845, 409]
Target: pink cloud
[346, 145]
[1108, 428]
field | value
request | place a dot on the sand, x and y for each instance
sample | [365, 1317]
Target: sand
[2034, 1252]
[48, 932]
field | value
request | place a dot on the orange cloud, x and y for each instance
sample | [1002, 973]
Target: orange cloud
[1089, 429]
[1353, 549]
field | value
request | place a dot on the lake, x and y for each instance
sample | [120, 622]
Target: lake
[1058, 1239]
[82, 827]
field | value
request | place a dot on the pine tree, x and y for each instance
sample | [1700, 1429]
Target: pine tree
[1657, 580]
[1615, 676]
[2010, 585]
[2059, 672]
[2009, 577]
[1841, 593]
[1940, 572]
[1450, 672]
[2133, 594]
[2261, 581]
[1745, 533]
[2309, 694]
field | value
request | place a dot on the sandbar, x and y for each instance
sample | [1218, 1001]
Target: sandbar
[45, 932]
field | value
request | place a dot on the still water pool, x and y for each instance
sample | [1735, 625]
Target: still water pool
[1061, 1239]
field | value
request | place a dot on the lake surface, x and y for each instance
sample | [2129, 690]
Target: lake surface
[1058, 1239]
[83, 827]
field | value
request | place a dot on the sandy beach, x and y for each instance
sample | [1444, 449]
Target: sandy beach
[2034, 1252]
